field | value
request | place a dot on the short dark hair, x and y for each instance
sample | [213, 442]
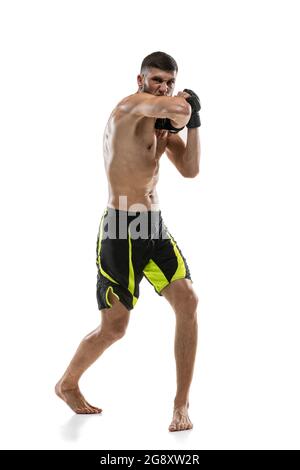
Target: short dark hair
[160, 60]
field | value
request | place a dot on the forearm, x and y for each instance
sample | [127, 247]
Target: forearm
[191, 156]
[182, 118]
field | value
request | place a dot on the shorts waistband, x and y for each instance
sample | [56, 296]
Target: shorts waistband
[131, 213]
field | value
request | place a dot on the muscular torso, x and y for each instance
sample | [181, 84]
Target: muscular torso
[132, 148]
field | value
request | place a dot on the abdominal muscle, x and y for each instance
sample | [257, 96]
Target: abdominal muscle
[134, 191]
[132, 167]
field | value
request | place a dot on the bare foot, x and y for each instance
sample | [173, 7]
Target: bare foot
[76, 401]
[181, 420]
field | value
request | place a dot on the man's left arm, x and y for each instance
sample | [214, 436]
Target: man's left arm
[186, 157]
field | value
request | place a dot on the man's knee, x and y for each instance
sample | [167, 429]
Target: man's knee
[111, 331]
[116, 330]
[186, 304]
[114, 322]
[182, 297]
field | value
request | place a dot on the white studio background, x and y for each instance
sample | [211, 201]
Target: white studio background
[64, 66]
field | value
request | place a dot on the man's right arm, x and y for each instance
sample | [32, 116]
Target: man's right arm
[176, 108]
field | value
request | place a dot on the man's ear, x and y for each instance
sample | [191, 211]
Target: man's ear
[140, 80]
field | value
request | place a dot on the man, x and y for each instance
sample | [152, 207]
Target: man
[140, 129]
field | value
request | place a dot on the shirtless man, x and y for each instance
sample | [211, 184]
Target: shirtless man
[140, 129]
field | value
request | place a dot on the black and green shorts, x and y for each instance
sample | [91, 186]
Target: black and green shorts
[131, 245]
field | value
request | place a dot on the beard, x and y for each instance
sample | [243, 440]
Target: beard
[146, 89]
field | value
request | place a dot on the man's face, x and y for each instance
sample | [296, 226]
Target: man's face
[157, 82]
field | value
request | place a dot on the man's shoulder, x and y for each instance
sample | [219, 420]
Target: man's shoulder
[129, 102]
[123, 113]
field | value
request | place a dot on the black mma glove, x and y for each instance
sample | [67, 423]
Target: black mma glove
[165, 123]
[194, 101]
